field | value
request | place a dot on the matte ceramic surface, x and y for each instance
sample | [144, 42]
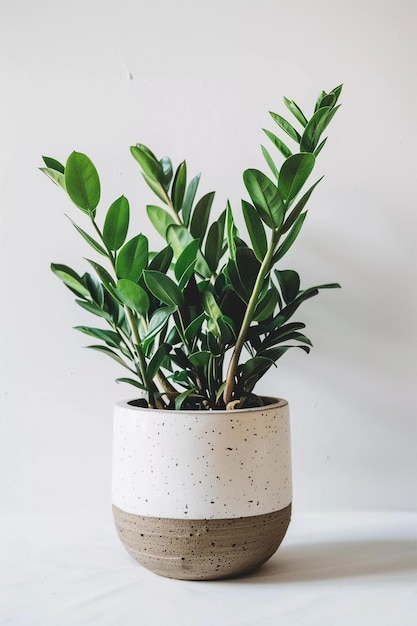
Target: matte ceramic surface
[203, 464]
[202, 549]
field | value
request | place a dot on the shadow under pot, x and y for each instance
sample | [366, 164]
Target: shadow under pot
[202, 495]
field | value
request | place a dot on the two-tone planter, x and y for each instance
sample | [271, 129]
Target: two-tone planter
[201, 495]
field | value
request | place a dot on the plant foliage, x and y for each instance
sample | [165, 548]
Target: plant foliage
[199, 322]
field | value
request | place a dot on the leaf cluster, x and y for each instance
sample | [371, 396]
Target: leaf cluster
[197, 323]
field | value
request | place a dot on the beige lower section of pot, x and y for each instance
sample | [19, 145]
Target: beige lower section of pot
[202, 549]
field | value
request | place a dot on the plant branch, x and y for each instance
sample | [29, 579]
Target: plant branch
[234, 360]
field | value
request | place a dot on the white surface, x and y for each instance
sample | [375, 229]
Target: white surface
[201, 465]
[195, 79]
[332, 570]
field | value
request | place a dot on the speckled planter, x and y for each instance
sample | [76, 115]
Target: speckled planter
[201, 495]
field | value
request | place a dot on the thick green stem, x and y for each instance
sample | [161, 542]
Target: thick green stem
[234, 360]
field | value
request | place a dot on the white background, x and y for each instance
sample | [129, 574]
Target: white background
[195, 79]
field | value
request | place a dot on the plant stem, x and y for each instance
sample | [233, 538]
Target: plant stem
[234, 360]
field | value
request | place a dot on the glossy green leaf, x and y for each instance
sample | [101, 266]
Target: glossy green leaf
[95, 288]
[150, 165]
[108, 336]
[53, 164]
[296, 111]
[265, 196]
[90, 240]
[179, 186]
[113, 355]
[182, 397]
[70, 279]
[162, 261]
[57, 177]
[289, 281]
[286, 127]
[185, 264]
[157, 323]
[214, 246]
[160, 219]
[189, 199]
[193, 330]
[106, 279]
[82, 182]
[266, 305]
[95, 310]
[290, 238]
[200, 359]
[163, 288]
[157, 188]
[134, 296]
[116, 224]
[270, 162]
[178, 237]
[255, 229]
[278, 143]
[248, 268]
[231, 232]
[294, 172]
[157, 360]
[210, 306]
[200, 217]
[133, 258]
[296, 211]
[315, 127]
[131, 381]
[166, 165]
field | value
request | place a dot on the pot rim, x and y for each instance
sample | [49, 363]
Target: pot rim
[273, 403]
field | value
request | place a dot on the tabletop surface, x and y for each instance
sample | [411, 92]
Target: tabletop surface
[355, 568]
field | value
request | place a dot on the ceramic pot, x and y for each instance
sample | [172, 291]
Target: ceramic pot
[201, 495]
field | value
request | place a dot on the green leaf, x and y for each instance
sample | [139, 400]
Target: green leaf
[90, 240]
[94, 287]
[294, 173]
[248, 268]
[178, 237]
[178, 186]
[104, 276]
[266, 306]
[134, 296]
[201, 216]
[116, 224]
[70, 279]
[193, 329]
[185, 264]
[53, 164]
[112, 355]
[278, 143]
[296, 211]
[270, 161]
[296, 111]
[315, 127]
[289, 281]
[180, 399]
[265, 196]
[255, 229]
[166, 165]
[133, 258]
[286, 126]
[157, 188]
[108, 336]
[157, 360]
[163, 288]
[231, 232]
[156, 324]
[189, 199]
[200, 359]
[57, 177]
[95, 310]
[214, 246]
[290, 238]
[82, 182]
[211, 307]
[160, 219]
[150, 165]
[130, 381]
[162, 260]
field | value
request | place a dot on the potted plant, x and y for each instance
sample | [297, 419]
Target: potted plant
[202, 471]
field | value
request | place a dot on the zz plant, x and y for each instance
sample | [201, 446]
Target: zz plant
[199, 322]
